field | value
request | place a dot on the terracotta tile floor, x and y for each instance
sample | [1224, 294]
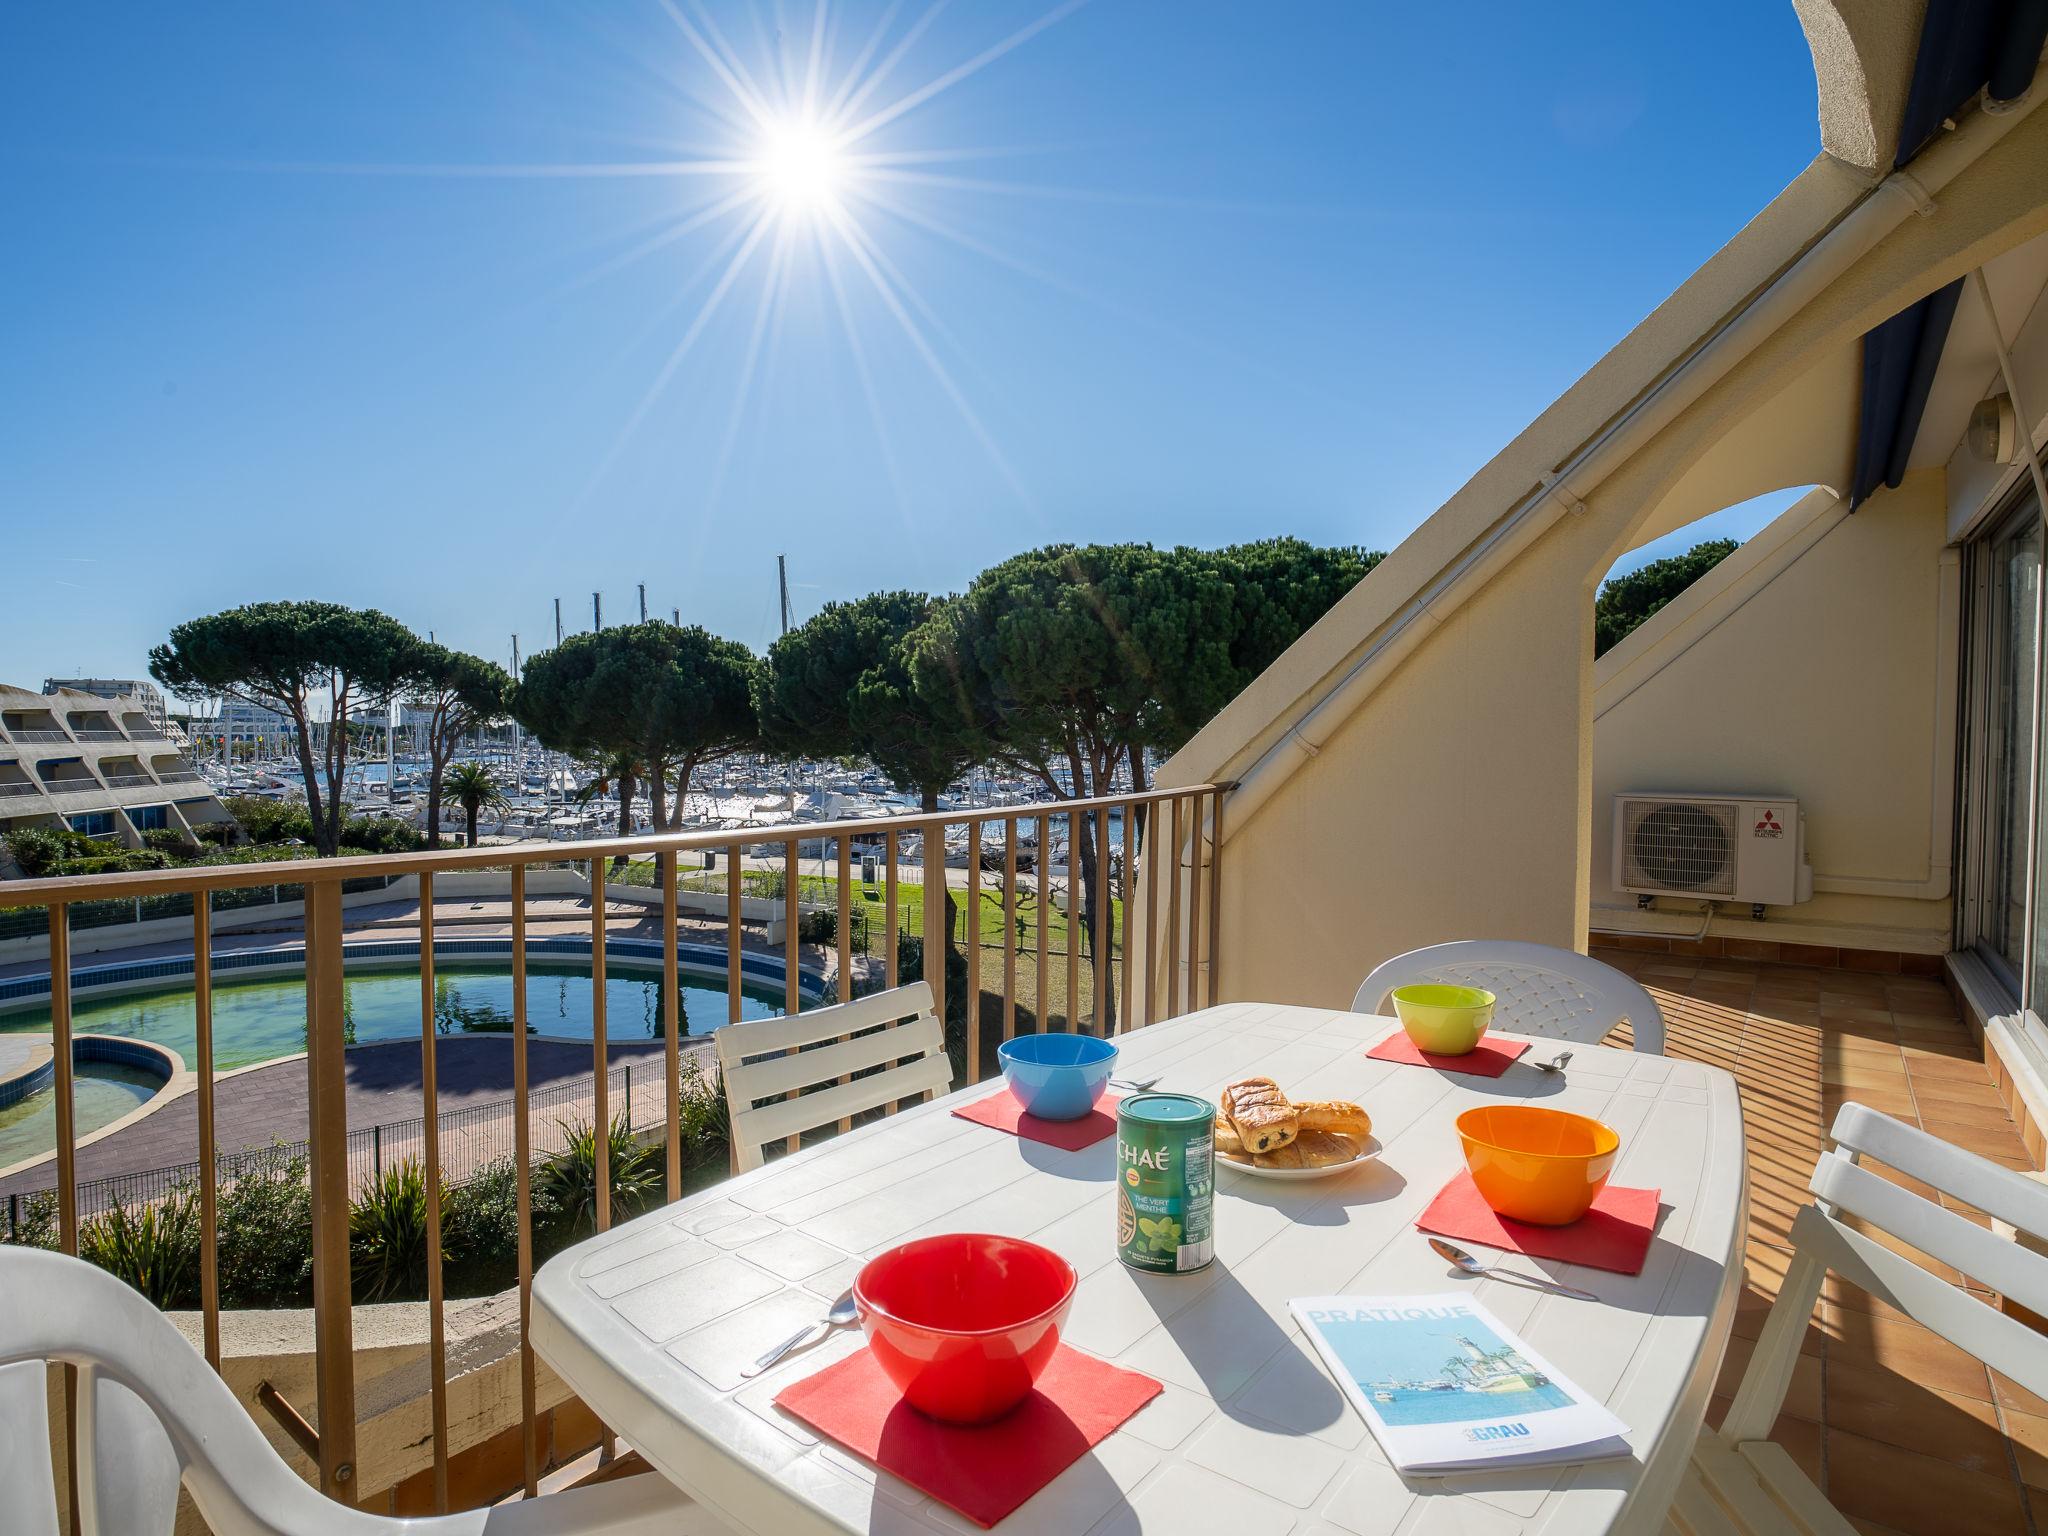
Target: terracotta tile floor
[1904, 1432]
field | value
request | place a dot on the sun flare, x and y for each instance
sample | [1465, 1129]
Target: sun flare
[800, 166]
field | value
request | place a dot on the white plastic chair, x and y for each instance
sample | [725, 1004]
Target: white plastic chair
[152, 1415]
[911, 1037]
[1556, 993]
[1739, 1480]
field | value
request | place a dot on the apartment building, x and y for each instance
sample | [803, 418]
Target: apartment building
[103, 764]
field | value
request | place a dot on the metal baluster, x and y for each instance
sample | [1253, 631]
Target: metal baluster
[327, 1164]
[1127, 1011]
[1152, 955]
[600, 1049]
[209, 1168]
[1075, 882]
[931, 857]
[845, 944]
[1010, 928]
[1043, 1008]
[1215, 893]
[67, 1157]
[1101, 967]
[671, 1012]
[1173, 915]
[430, 1148]
[973, 942]
[792, 999]
[734, 952]
[1194, 951]
[522, 1157]
[889, 956]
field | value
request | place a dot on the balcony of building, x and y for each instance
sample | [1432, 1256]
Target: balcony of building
[93, 725]
[124, 771]
[33, 727]
[17, 783]
[172, 768]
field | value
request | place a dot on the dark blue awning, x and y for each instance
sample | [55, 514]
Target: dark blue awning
[1967, 46]
[1899, 359]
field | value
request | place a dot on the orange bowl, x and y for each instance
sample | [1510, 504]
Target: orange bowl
[1542, 1166]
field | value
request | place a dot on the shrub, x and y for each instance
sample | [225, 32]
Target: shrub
[33, 1221]
[155, 1247]
[266, 1237]
[43, 851]
[570, 1177]
[387, 1234]
[821, 928]
[170, 841]
[215, 834]
[705, 1116]
[39, 851]
[380, 834]
[271, 821]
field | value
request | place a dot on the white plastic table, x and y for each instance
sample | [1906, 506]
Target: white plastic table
[652, 1322]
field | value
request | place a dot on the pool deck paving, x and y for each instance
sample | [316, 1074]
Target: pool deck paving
[265, 1104]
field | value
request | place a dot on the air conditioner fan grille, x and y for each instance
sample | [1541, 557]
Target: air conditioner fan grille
[1678, 845]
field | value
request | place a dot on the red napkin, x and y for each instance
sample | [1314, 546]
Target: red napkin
[1614, 1235]
[1489, 1059]
[1002, 1112]
[985, 1470]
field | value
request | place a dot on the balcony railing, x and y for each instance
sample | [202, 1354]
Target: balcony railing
[1024, 867]
[179, 776]
[72, 787]
[30, 737]
[18, 789]
[96, 733]
[127, 780]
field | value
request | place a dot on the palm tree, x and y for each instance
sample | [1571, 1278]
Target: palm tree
[471, 786]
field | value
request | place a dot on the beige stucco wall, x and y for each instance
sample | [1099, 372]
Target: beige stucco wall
[1818, 662]
[1454, 798]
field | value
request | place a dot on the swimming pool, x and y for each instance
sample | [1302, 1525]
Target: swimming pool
[101, 1093]
[262, 1018]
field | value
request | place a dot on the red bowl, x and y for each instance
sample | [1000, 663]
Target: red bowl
[964, 1323]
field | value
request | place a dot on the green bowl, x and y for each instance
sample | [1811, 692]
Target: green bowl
[1444, 1020]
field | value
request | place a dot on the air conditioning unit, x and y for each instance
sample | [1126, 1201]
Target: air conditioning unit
[1745, 849]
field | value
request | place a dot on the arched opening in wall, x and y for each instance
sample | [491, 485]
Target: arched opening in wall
[1643, 581]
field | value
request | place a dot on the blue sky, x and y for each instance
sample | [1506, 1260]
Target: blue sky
[323, 300]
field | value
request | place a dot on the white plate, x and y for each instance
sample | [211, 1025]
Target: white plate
[1370, 1151]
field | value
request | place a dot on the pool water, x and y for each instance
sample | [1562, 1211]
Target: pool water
[263, 1018]
[101, 1093]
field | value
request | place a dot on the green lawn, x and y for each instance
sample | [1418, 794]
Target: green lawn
[871, 902]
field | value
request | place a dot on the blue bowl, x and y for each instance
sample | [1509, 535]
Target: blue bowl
[1057, 1077]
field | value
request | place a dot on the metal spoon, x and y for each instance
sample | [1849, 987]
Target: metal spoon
[1463, 1260]
[842, 1313]
[1132, 1086]
[1556, 1063]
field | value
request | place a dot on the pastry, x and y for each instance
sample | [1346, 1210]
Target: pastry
[1319, 1149]
[1288, 1156]
[1260, 1114]
[1334, 1115]
[1227, 1143]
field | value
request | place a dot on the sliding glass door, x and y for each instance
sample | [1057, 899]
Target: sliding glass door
[1998, 746]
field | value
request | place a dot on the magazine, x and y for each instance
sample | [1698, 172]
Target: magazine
[1445, 1387]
